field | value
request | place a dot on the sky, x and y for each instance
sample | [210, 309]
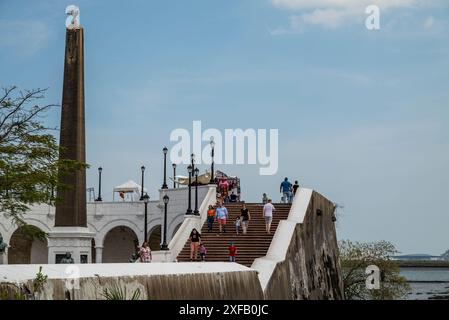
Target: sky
[363, 115]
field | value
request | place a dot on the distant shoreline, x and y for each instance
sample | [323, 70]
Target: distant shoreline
[422, 264]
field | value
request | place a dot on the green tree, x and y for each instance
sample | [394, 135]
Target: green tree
[355, 257]
[29, 153]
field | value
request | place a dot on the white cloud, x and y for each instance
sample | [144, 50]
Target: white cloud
[330, 18]
[333, 14]
[343, 4]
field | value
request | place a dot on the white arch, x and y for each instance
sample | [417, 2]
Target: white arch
[101, 234]
[38, 223]
[31, 221]
[43, 247]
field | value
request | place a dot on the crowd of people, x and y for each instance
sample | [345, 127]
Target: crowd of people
[219, 214]
[224, 188]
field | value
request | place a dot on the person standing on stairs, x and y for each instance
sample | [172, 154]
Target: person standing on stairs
[223, 185]
[264, 198]
[195, 238]
[238, 222]
[295, 187]
[268, 210]
[285, 189]
[221, 213]
[244, 217]
[203, 252]
[232, 251]
[210, 218]
[145, 253]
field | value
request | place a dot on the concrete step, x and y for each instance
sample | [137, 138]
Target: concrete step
[250, 246]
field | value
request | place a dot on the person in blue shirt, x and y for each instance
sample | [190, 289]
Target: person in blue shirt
[285, 189]
[221, 214]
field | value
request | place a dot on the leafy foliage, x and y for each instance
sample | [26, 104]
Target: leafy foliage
[39, 281]
[10, 291]
[29, 153]
[119, 293]
[355, 257]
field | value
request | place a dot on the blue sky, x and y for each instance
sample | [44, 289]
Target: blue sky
[362, 115]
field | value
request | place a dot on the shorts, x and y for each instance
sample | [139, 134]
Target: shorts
[268, 219]
[222, 221]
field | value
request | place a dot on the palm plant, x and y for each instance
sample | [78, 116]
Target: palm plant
[116, 292]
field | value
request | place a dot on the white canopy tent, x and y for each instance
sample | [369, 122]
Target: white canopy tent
[130, 190]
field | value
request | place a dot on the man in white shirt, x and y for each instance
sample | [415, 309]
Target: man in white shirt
[268, 210]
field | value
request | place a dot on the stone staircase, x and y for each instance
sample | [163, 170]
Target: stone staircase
[253, 245]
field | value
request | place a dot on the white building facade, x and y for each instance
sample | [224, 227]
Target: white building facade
[117, 227]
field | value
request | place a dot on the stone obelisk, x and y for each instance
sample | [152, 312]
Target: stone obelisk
[71, 206]
[70, 233]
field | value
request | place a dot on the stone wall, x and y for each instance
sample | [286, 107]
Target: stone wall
[302, 261]
[155, 281]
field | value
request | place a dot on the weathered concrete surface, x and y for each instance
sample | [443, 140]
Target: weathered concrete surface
[303, 259]
[156, 281]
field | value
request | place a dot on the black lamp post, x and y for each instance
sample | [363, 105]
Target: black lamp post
[196, 212]
[142, 168]
[189, 208]
[146, 199]
[212, 149]
[100, 169]
[164, 245]
[192, 159]
[174, 175]
[164, 185]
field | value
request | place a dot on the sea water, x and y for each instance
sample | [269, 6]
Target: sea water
[427, 283]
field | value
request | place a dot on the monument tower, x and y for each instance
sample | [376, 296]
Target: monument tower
[70, 233]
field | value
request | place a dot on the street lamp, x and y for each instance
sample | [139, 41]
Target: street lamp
[100, 169]
[189, 208]
[174, 175]
[164, 245]
[212, 152]
[196, 212]
[164, 185]
[146, 199]
[142, 168]
[192, 159]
